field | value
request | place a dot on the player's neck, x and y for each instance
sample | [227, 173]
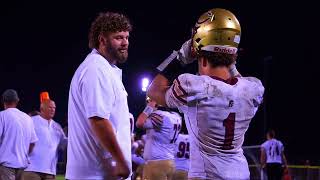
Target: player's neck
[45, 117]
[10, 105]
[221, 72]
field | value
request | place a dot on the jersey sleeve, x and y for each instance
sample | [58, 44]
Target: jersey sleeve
[154, 121]
[148, 124]
[281, 146]
[259, 90]
[177, 95]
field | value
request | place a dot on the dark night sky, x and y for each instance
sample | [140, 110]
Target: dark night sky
[43, 42]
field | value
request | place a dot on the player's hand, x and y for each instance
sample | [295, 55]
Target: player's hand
[152, 104]
[184, 54]
[122, 170]
[285, 169]
[233, 70]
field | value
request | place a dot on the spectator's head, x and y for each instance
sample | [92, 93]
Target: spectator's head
[10, 98]
[271, 134]
[47, 109]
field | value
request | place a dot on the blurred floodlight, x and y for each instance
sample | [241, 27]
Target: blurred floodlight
[145, 84]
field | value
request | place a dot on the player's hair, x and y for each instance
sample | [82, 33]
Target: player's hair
[216, 59]
[105, 23]
[271, 133]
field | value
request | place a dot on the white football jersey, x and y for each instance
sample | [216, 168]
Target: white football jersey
[217, 115]
[273, 149]
[161, 135]
[182, 152]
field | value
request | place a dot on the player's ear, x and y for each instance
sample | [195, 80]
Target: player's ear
[203, 62]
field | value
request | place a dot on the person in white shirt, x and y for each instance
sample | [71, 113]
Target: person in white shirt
[272, 157]
[218, 104]
[44, 158]
[162, 129]
[99, 135]
[17, 138]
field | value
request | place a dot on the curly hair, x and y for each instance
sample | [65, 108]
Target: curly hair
[105, 23]
[218, 59]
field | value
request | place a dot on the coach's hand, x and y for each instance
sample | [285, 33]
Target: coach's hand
[122, 170]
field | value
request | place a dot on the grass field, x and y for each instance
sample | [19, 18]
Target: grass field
[60, 177]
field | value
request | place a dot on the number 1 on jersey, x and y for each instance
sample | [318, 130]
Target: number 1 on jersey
[229, 135]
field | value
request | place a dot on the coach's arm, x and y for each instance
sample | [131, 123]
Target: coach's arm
[106, 136]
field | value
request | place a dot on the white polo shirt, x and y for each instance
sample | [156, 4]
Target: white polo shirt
[16, 134]
[44, 156]
[96, 90]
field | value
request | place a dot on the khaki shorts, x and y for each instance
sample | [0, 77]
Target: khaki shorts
[159, 170]
[7, 173]
[180, 175]
[30, 175]
[139, 173]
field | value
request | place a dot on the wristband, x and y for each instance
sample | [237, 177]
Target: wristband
[233, 70]
[148, 110]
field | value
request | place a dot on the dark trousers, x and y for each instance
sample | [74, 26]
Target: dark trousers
[274, 171]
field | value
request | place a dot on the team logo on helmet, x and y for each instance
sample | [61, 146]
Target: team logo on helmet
[219, 28]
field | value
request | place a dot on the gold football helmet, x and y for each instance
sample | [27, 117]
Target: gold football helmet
[217, 30]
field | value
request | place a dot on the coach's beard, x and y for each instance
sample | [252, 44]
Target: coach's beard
[120, 55]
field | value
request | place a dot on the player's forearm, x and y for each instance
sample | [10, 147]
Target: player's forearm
[262, 160]
[263, 157]
[63, 143]
[158, 88]
[284, 160]
[106, 136]
[141, 120]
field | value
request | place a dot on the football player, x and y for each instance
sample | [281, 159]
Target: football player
[218, 104]
[182, 157]
[162, 129]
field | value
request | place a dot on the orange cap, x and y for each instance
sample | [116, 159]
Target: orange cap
[44, 96]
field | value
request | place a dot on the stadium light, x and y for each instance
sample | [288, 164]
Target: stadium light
[145, 84]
